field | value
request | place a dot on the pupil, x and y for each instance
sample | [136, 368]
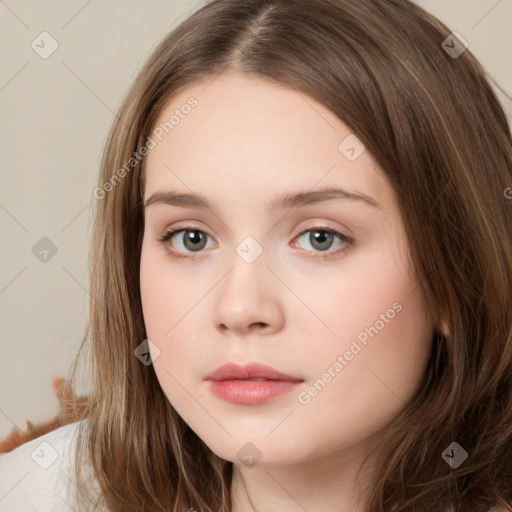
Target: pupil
[324, 239]
[194, 238]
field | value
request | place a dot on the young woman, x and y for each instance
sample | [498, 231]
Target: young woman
[301, 271]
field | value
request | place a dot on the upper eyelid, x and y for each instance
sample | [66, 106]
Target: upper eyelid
[318, 227]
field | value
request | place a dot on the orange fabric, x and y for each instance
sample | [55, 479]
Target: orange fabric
[71, 408]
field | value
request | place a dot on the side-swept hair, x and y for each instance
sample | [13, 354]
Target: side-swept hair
[440, 135]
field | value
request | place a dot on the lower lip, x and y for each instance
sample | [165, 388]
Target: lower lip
[251, 392]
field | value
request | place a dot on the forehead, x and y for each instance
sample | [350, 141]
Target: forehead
[246, 134]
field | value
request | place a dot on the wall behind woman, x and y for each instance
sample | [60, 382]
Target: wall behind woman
[65, 68]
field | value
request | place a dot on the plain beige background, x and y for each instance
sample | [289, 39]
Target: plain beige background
[56, 112]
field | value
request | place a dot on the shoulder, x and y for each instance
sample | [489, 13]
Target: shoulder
[38, 475]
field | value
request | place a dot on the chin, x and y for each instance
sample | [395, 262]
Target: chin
[256, 451]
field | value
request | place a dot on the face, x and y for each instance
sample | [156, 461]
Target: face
[318, 288]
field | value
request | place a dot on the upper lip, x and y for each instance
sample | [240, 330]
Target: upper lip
[232, 371]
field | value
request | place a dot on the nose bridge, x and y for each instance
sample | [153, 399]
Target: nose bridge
[248, 264]
[250, 250]
[246, 296]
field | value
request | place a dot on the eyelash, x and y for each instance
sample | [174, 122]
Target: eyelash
[166, 237]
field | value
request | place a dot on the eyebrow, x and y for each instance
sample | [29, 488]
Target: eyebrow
[282, 202]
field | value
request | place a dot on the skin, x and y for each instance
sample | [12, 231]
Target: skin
[246, 142]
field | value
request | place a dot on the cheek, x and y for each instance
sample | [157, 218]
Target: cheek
[155, 297]
[369, 296]
[376, 378]
[171, 304]
[166, 293]
[382, 332]
[362, 376]
[160, 298]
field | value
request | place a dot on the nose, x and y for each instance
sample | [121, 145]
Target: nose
[249, 298]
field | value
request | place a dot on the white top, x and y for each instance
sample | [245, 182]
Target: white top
[35, 476]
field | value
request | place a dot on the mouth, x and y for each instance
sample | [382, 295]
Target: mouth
[249, 372]
[250, 384]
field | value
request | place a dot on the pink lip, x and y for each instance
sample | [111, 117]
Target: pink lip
[233, 383]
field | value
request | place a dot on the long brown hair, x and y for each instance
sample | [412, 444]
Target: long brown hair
[435, 126]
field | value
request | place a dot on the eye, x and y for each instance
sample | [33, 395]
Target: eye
[192, 239]
[320, 238]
